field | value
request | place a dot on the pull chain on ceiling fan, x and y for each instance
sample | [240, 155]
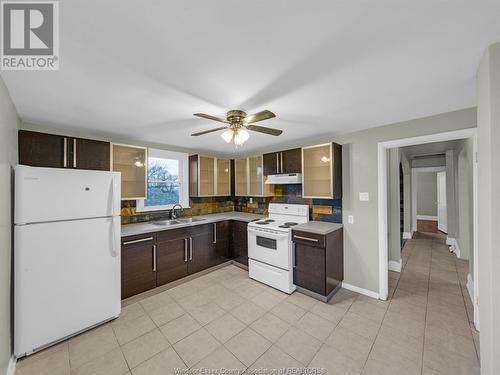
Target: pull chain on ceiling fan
[238, 124]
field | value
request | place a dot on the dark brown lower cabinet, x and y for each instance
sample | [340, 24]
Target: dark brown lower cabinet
[221, 235]
[137, 264]
[239, 242]
[319, 261]
[201, 248]
[159, 258]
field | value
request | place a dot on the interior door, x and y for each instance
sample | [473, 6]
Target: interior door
[441, 203]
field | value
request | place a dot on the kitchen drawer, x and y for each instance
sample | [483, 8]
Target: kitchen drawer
[309, 239]
[172, 234]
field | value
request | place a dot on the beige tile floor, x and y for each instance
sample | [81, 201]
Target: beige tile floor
[225, 320]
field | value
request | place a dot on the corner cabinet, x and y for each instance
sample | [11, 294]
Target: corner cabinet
[250, 179]
[131, 161]
[209, 176]
[322, 171]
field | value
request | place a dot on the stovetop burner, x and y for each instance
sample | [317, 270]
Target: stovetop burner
[261, 222]
[288, 224]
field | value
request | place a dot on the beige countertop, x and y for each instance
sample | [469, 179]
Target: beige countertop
[148, 227]
[318, 227]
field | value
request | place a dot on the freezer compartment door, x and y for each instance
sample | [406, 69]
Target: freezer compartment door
[67, 279]
[54, 194]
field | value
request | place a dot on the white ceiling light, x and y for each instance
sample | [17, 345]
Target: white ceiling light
[227, 136]
[241, 136]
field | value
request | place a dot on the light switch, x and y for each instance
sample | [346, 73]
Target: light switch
[350, 219]
[364, 197]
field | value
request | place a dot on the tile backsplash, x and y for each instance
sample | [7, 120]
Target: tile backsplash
[292, 194]
[320, 209]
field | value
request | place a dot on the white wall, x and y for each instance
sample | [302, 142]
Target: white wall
[9, 124]
[426, 193]
[465, 202]
[361, 253]
[488, 137]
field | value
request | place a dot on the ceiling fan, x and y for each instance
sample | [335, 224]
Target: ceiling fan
[238, 122]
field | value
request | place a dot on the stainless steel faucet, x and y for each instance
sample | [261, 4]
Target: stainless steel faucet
[173, 214]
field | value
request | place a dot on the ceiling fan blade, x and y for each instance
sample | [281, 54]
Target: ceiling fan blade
[208, 131]
[259, 116]
[263, 129]
[210, 117]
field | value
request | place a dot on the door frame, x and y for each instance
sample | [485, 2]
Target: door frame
[414, 172]
[441, 228]
[382, 148]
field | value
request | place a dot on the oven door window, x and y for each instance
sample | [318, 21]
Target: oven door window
[268, 243]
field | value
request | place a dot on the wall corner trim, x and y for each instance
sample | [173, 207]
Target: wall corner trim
[407, 235]
[395, 265]
[470, 287]
[359, 290]
[12, 366]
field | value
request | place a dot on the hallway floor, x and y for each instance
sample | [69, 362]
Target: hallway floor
[224, 320]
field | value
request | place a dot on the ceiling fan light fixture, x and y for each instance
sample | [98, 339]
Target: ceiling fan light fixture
[227, 135]
[241, 136]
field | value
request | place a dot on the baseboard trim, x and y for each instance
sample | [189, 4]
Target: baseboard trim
[427, 217]
[11, 369]
[359, 290]
[470, 287]
[454, 248]
[395, 265]
[407, 235]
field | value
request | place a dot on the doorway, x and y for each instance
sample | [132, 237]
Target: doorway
[383, 203]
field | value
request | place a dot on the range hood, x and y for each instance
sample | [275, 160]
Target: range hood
[287, 178]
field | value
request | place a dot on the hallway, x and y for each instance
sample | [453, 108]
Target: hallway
[431, 293]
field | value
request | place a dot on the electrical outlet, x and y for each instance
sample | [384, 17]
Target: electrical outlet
[250, 200]
[364, 197]
[350, 219]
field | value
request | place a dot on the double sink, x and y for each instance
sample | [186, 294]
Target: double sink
[166, 223]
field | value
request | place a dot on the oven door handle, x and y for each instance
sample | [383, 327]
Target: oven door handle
[269, 234]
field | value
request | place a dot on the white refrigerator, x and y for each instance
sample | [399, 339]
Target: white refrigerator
[66, 254]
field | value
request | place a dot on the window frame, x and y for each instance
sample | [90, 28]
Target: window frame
[183, 159]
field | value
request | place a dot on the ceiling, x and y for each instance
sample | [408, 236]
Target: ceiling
[431, 149]
[324, 67]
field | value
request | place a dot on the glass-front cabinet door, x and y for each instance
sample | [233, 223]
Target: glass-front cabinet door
[223, 177]
[256, 175]
[207, 176]
[241, 177]
[317, 171]
[131, 161]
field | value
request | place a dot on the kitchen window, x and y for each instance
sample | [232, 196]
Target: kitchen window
[167, 181]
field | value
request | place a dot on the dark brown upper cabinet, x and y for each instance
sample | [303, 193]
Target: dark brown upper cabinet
[59, 151]
[288, 161]
[91, 154]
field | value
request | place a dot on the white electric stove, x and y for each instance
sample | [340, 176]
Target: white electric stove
[270, 246]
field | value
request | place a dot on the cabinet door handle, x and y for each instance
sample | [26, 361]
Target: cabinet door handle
[277, 163]
[137, 241]
[215, 233]
[74, 152]
[294, 255]
[65, 153]
[154, 258]
[306, 238]
[185, 249]
[281, 157]
[190, 248]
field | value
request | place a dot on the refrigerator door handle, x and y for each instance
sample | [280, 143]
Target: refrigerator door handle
[114, 249]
